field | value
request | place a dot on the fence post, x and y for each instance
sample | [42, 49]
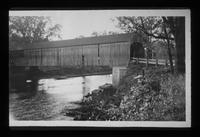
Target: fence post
[156, 61]
[146, 53]
[147, 62]
[166, 63]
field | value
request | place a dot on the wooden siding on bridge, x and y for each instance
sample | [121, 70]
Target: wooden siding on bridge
[111, 50]
[111, 54]
[115, 54]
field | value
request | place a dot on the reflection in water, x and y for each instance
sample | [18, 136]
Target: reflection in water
[53, 97]
[67, 89]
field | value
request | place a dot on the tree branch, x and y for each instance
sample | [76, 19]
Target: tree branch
[151, 34]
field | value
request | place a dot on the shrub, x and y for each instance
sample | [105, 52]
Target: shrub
[160, 97]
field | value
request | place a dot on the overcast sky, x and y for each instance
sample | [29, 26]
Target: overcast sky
[83, 22]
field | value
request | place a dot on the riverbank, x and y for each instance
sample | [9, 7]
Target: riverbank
[155, 96]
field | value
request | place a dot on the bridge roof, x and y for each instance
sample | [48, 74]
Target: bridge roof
[125, 37]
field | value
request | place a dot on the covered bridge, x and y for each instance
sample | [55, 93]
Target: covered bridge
[110, 50]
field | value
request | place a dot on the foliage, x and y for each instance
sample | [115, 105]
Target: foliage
[159, 96]
[153, 27]
[95, 106]
[150, 26]
[30, 29]
[95, 34]
[167, 29]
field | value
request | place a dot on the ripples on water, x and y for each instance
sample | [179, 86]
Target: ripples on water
[53, 97]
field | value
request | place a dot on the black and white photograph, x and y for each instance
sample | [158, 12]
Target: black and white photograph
[100, 68]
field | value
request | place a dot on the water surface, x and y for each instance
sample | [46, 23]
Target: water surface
[53, 97]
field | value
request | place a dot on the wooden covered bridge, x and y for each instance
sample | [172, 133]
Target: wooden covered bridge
[110, 50]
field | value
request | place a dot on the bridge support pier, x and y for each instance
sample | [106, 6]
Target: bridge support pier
[117, 74]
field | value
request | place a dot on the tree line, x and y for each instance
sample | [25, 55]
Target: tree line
[30, 29]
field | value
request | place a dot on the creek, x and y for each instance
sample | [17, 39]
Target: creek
[52, 97]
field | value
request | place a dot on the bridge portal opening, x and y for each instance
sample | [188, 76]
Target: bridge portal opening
[137, 50]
